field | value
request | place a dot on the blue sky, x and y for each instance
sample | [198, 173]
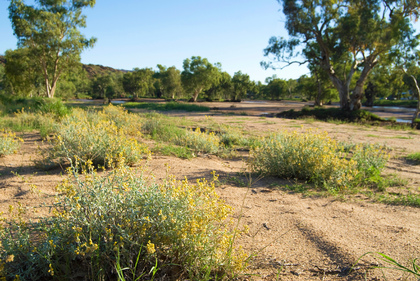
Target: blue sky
[139, 33]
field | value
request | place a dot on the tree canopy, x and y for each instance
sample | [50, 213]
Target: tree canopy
[49, 32]
[343, 37]
[199, 75]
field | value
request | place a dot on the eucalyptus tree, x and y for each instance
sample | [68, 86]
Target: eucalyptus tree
[343, 37]
[106, 86]
[408, 58]
[241, 85]
[220, 88]
[169, 81]
[49, 31]
[276, 88]
[139, 82]
[21, 77]
[199, 75]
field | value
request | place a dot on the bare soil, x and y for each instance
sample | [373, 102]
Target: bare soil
[293, 236]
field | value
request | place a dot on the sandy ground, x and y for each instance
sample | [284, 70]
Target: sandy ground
[292, 236]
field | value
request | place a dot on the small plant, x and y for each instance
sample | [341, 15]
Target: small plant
[8, 143]
[415, 157]
[393, 264]
[118, 224]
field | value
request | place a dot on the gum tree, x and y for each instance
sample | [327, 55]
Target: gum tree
[241, 85]
[199, 75]
[169, 81]
[342, 37]
[49, 31]
[407, 61]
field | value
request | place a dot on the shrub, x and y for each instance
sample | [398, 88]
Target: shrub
[102, 224]
[315, 157]
[207, 142]
[100, 137]
[41, 105]
[8, 143]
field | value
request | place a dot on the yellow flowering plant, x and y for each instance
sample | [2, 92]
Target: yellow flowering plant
[118, 217]
[315, 157]
[100, 137]
[9, 143]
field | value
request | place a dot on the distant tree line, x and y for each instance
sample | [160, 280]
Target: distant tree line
[199, 80]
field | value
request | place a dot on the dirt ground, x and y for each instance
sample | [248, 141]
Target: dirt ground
[293, 236]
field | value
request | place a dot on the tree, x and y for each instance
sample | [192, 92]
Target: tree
[199, 75]
[170, 83]
[241, 85]
[106, 86]
[343, 37]
[276, 87]
[387, 80]
[407, 61]
[221, 88]
[20, 73]
[49, 32]
[139, 82]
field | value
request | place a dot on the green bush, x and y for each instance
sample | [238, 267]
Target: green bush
[41, 105]
[119, 224]
[315, 157]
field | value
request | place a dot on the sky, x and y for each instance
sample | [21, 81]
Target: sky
[140, 33]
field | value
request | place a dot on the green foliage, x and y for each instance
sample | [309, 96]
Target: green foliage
[199, 75]
[21, 76]
[167, 106]
[8, 143]
[241, 85]
[33, 114]
[119, 221]
[415, 157]
[139, 82]
[315, 157]
[169, 82]
[107, 86]
[53, 106]
[102, 138]
[49, 32]
[276, 88]
[336, 36]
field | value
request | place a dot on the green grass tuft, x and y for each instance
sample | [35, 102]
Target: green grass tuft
[415, 157]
